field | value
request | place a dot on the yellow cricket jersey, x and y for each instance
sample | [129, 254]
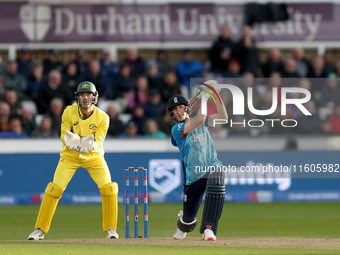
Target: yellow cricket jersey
[97, 124]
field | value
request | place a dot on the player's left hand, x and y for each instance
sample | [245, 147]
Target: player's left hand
[86, 144]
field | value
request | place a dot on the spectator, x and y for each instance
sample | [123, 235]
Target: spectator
[303, 65]
[55, 112]
[45, 128]
[29, 123]
[25, 62]
[53, 88]
[34, 81]
[81, 63]
[52, 62]
[188, 68]
[274, 63]
[13, 80]
[154, 105]
[15, 129]
[165, 123]
[163, 63]
[290, 69]
[327, 128]
[5, 111]
[329, 66]
[123, 83]
[2, 89]
[170, 86]
[152, 130]
[138, 95]
[248, 53]
[71, 77]
[136, 63]
[330, 94]
[116, 127]
[131, 130]
[108, 68]
[155, 78]
[233, 74]
[334, 119]
[310, 124]
[138, 117]
[97, 78]
[317, 72]
[221, 52]
[14, 103]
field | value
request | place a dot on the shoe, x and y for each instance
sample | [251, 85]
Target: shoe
[111, 233]
[208, 235]
[179, 234]
[37, 234]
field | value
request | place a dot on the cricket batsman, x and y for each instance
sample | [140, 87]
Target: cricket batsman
[83, 130]
[192, 137]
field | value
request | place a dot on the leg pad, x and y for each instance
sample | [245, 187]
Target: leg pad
[109, 193]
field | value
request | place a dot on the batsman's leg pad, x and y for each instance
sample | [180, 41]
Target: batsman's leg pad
[214, 202]
[109, 193]
[186, 227]
[48, 206]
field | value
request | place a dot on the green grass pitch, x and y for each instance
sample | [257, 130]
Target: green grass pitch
[250, 220]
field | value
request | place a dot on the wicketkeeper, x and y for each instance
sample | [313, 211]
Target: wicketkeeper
[192, 137]
[83, 130]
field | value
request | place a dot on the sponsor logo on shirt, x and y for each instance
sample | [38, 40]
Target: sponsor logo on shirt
[198, 137]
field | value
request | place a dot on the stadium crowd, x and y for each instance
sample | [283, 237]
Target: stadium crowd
[134, 93]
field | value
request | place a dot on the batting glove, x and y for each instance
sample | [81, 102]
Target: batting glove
[86, 144]
[213, 84]
[72, 141]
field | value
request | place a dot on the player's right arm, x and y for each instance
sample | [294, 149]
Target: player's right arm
[66, 123]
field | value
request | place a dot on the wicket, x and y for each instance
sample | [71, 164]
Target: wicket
[127, 201]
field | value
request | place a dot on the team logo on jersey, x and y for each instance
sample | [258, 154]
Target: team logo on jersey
[76, 123]
[93, 126]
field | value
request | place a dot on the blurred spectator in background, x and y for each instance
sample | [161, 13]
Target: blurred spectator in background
[309, 124]
[5, 111]
[302, 64]
[116, 127]
[170, 86]
[131, 130]
[330, 94]
[139, 94]
[138, 118]
[55, 112]
[155, 78]
[221, 52]
[233, 74]
[94, 76]
[13, 80]
[2, 66]
[152, 130]
[108, 68]
[45, 128]
[274, 63]
[247, 53]
[124, 82]
[165, 123]
[52, 62]
[317, 72]
[71, 77]
[136, 63]
[29, 123]
[15, 129]
[334, 119]
[188, 68]
[2, 89]
[53, 88]
[25, 62]
[163, 63]
[329, 66]
[326, 128]
[34, 81]
[290, 69]
[81, 63]
[154, 105]
[13, 101]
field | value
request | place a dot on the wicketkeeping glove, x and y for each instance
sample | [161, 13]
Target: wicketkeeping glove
[86, 144]
[72, 141]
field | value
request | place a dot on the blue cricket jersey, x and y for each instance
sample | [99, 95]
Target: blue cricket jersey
[197, 149]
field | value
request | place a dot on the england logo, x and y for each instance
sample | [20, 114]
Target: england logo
[165, 174]
[35, 21]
